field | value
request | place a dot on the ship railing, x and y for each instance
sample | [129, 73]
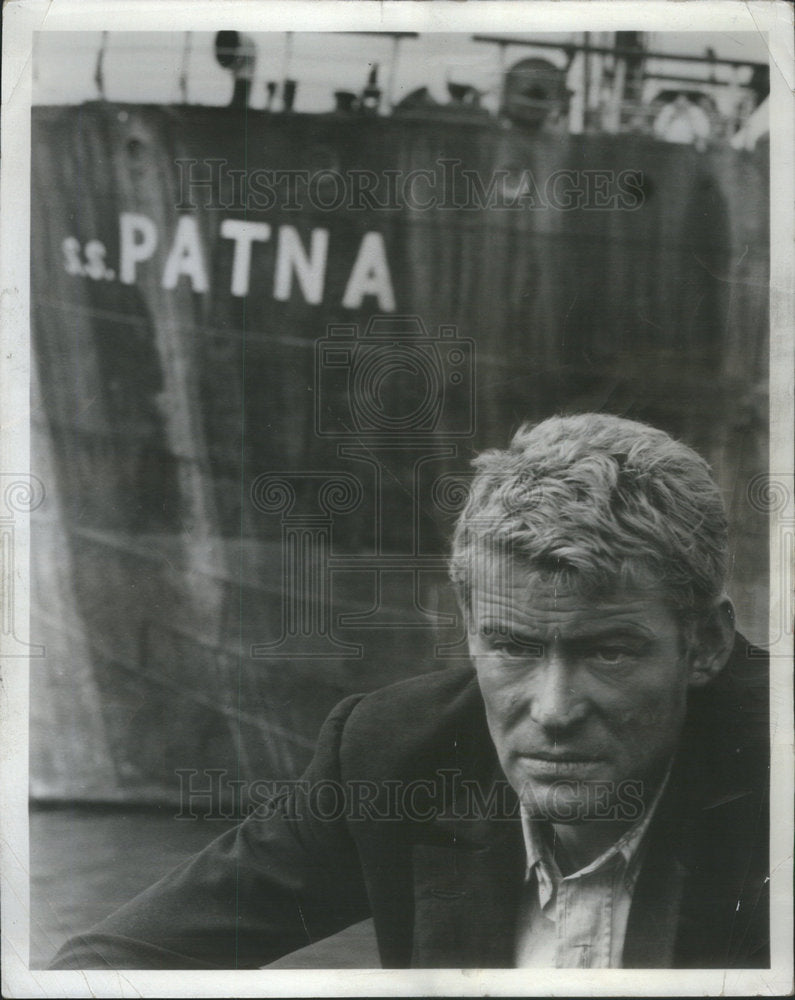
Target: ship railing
[633, 77]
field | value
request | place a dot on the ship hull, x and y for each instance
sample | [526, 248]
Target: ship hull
[203, 284]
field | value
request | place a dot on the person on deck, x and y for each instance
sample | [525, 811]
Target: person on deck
[683, 122]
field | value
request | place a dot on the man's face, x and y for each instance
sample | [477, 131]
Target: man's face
[578, 692]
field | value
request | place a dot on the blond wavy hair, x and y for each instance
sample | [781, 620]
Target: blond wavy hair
[600, 503]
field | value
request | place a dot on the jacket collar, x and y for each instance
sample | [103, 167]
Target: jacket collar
[469, 877]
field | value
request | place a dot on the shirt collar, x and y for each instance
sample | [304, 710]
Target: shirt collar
[627, 847]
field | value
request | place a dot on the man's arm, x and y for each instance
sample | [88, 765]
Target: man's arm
[282, 879]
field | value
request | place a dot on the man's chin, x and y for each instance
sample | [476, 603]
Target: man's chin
[572, 800]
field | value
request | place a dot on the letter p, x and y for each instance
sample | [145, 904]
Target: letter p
[137, 242]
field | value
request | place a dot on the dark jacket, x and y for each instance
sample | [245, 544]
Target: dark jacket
[405, 815]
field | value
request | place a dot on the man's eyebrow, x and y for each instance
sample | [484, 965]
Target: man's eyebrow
[504, 627]
[518, 634]
[608, 631]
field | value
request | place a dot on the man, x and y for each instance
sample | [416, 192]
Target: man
[609, 689]
[683, 122]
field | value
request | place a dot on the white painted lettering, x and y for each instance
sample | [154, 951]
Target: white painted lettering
[186, 257]
[370, 275]
[243, 233]
[137, 242]
[292, 259]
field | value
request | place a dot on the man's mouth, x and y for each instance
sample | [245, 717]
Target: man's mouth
[559, 757]
[544, 764]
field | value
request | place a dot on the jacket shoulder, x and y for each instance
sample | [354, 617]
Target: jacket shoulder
[423, 723]
[730, 717]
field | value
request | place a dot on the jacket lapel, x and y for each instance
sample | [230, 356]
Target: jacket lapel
[467, 896]
[654, 918]
[696, 902]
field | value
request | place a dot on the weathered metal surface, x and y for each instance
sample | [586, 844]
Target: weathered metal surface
[165, 395]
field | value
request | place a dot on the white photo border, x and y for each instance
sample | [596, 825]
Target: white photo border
[771, 18]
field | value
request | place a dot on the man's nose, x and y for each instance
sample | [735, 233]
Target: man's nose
[556, 703]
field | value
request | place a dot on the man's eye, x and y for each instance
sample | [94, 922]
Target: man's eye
[610, 654]
[510, 645]
[509, 648]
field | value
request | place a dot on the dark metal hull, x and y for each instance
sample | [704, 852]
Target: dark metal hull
[159, 552]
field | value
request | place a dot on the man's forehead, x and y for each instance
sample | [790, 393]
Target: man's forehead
[519, 593]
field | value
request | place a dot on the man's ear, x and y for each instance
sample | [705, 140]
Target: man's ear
[462, 598]
[712, 642]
